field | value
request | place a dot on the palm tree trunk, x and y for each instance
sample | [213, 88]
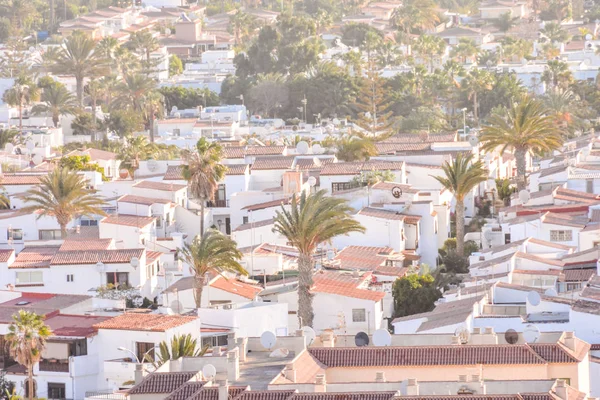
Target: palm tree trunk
[198, 287]
[30, 382]
[20, 116]
[79, 82]
[305, 297]
[63, 231]
[460, 227]
[475, 114]
[521, 160]
[151, 124]
[201, 217]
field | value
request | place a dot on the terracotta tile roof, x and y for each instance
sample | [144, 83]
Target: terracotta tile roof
[147, 201]
[312, 163]
[381, 213]
[266, 395]
[444, 314]
[281, 162]
[265, 150]
[152, 256]
[575, 221]
[418, 165]
[115, 256]
[5, 254]
[542, 260]
[174, 173]
[233, 152]
[552, 170]
[83, 245]
[255, 224]
[162, 382]
[392, 148]
[186, 391]
[128, 220]
[346, 396]
[20, 179]
[354, 168]
[344, 284]
[236, 169]
[391, 185]
[363, 257]
[145, 322]
[412, 219]
[153, 185]
[550, 244]
[528, 354]
[35, 257]
[74, 325]
[520, 396]
[548, 272]
[417, 138]
[236, 287]
[268, 204]
[97, 154]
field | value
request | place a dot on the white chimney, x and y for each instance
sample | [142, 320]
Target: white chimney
[560, 388]
[290, 373]
[412, 387]
[380, 377]
[223, 389]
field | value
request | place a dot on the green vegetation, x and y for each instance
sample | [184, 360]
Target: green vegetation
[414, 294]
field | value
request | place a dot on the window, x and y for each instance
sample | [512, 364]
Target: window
[117, 278]
[56, 390]
[159, 222]
[561, 236]
[78, 348]
[143, 348]
[212, 341]
[50, 234]
[339, 186]
[15, 234]
[359, 315]
[244, 220]
[88, 222]
[70, 278]
[29, 277]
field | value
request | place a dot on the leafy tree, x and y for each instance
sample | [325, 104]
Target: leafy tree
[143, 43]
[526, 127]
[557, 74]
[124, 122]
[505, 90]
[23, 92]
[430, 48]
[19, 12]
[240, 25]
[505, 190]
[477, 82]
[554, 32]
[83, 124]
[136, 149]
[416, 16]
[311, 220]
[354, 34]
[56, 100]
[211, 253]
[370, 178]
[179, 346]
[203, 171]
[516, 49]
[63, 194]
[461, 176]
[175, 65]
[506, 22]
[77, 57]
[414, 294]
[133, 91]
[388, 54]
[269, 93]
[186, 98]
[425, 119]
[81, 163]
[26, 340]
[355, 148]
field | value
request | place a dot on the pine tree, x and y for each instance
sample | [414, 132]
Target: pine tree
[374, 119]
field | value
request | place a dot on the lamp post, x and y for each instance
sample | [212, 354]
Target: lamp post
[464, 111]
[304, 103]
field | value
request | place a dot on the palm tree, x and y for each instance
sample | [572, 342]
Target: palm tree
[557, 74]
[388, 54]
[26, 340]
[416, 15]
[312, 220]
[465, 49]
[203, 171]
[555, 33]
[77, 57]
[108, 86]
[526, 127]
[355, 148]
[476, 82]
[429, 48]
[18, 11]
[63, 194]
[22, 93]
[461, 176]
[107, 46]
[180, 346]
[211, 253]
[154, 105]
[57, 100]
[560, 103]
[143, 43]
[240, 24]
[94, 90]
[135, 150]
[506, 22]
[133, 90]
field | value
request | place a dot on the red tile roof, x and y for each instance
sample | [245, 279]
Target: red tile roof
[268, 204]
[147, 201]
[162, 382]
[152, 256]
[128, 220]
[280, 162]
[115, 256]
[354, 168]
[174, 173]
[236, 169]
[265, 150]
[5, 254]
[236, 287]
[74, 325]
[186, 391]
[381, 213]
[145, 322]
[233, 152]
[153, 185]
[344, 284]
[363, 257]
[35, 257]
[20, 179]
[83, 245]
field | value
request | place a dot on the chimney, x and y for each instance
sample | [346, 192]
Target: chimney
[568, 339]
[320, 383]
[327, 339]
[560, 389]
[462, 378]
[476, 331]
[412, 387]
[139, 373]
[380, 377]
[488, 330]
[455, 340]
[289, 372]
[223, 389]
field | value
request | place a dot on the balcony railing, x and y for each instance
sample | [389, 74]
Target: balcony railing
[105, 395]
[52, 365]
[218, 204]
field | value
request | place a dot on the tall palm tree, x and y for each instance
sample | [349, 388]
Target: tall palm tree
[154, 103]
[26, 340]
[133, 91]
[557, 74]
[526, 127]
[203, 171]
[18, 11]
[63, 194]
[179, 346]
[22, 93]
[476, 82]
[312, 220]
[108, 86]
[465, 49]
[143, 43]
[416, 15]
[77, 56]
[240, 24]
[135, 150]
[56, 100]
[211, 253]
[429, 48]
[555, 32]
[461, 176]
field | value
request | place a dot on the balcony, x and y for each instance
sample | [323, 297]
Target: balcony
[54, 365]
[218, 204]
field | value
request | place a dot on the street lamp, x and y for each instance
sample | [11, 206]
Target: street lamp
[464, 111]
[121, 348]
[304, 103]
[241, 97]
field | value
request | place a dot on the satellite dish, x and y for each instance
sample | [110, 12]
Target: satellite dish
[531, 333]
[312, 181]
[302, 147]
[336, 121]
[524, 196]
[174, 108]
[488, 235]
[135, 262]
[534, 298]
[176, 306]
[278, 123]
[123, 173]
[463, 334]
[167, 31]
[9, 148]
[382, 338]
[317, 149]
[551, 292]
[209, 371]
[361, 339]
[268, 340]
[473, 141]
[152, 165]
[37, 159]
[511, 336]
[588, 37]
[177, 115]
[30, 145]
[310, 334]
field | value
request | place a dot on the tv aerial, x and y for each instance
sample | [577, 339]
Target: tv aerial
[382, 338]
[268, 340]
[463, 334]
[361, 339]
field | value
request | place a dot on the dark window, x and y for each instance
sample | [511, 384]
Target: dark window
[143, 348]
[506, 238]
[15, 234]
[70, 278]
[117, 278]
[78, 348]
[228, 226]
[244, 220]
[340, 186]
[50, 234]
[89, 222]
[56, 390]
